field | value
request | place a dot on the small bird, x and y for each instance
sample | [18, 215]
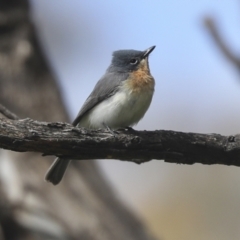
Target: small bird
[119, 100]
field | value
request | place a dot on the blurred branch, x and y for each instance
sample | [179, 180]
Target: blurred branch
[214, 32]
[64, 140]
[7, 113]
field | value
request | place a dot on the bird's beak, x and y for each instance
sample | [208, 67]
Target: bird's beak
[148, 51]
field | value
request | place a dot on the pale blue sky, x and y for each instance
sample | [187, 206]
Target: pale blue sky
[191, 75]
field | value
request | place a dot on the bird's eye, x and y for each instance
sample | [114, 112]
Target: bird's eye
[133, 61]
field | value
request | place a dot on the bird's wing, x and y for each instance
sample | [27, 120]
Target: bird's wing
[105, 88]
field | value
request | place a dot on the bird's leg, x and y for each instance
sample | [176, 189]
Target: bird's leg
[110, 130]
[130, 129]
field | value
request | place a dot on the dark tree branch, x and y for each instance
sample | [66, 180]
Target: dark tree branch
[64, 140]
[214, 32]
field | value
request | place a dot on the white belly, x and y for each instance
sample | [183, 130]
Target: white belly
[121, 110]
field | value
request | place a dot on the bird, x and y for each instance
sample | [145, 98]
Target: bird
[119, 100]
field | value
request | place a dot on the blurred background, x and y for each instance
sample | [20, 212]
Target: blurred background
[197, 90]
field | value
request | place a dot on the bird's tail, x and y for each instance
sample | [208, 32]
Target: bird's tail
[56, 171]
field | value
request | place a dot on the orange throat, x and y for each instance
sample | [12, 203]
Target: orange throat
[141, 80]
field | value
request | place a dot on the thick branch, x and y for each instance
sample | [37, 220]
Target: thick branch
[214, 32]
[63, 140]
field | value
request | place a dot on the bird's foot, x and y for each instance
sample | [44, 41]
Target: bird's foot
[129, 129]
[114, 133]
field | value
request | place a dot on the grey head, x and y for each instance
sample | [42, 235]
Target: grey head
[128, 60]
[123, 62]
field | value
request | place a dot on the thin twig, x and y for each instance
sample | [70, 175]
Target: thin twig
[218, 39]
[8, 114]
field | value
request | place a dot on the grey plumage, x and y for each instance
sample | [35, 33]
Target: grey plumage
[104, 89]
[112, 102]
[57, 170]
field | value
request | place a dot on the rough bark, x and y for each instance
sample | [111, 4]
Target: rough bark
[83, 206]
[66, 141]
